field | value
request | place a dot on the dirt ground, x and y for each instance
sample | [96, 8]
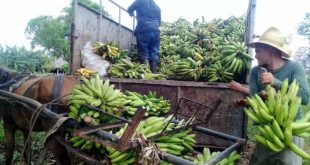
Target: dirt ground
[246, 153]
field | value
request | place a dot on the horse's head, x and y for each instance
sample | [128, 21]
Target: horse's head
[5, 75]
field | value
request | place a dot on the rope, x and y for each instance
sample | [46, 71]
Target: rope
[33, 120]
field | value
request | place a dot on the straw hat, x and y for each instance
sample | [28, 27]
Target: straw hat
[273, 37]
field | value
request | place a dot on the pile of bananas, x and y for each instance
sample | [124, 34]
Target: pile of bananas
[206, 155]
[98, 94]
[208, 42]
[276, 117]
[154, 106]
[235, 57]
[107, 50]
[124, 68]
[217, 73]
[85, 72]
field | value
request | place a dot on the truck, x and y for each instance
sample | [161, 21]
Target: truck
[90, 25]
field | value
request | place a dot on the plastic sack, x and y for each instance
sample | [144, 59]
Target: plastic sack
[93, 61]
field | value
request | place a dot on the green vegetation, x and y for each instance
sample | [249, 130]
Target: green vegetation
[49, 40]
[37, 144]
[23, 60]
[302, 55]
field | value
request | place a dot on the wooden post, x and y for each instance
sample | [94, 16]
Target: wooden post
[249, 36]
[74, 61]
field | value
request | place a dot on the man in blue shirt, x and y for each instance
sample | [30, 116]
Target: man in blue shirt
[147, 30]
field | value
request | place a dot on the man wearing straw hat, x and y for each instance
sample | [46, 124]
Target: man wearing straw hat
[274, 66]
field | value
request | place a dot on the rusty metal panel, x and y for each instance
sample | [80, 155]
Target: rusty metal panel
[85, 28]
[226, 119]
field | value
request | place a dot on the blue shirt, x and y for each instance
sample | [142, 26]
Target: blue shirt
[148, 15]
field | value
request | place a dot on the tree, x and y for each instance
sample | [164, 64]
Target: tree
[303, 53]
[51, 34]
[304, 26]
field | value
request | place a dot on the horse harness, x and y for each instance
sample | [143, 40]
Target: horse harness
[54, 104]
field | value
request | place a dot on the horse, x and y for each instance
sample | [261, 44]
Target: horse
[43, 89]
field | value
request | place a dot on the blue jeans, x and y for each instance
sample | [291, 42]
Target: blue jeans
[148, 45]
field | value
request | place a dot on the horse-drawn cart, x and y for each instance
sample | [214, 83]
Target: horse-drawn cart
[62, 126]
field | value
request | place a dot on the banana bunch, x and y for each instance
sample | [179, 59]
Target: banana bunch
[185, 69]
[107, 50]
[150, 127]
[96, 93]
[276, 118]
[202, 158]
[235, 57]
[153, 76]
[165, 64]
[121, 157]
[177, 143]
[124, 68]
[217, 73]
[154, 106]
[84, 115]
[85, 72]
[230, 160]
[207, 155]
[86, 145]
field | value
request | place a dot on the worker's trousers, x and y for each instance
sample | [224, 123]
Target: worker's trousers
[148, 45]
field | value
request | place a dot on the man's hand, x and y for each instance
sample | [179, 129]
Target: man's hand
[266, 78]
[263, 94]
[238, 87]
[240, 103]
[235, 85]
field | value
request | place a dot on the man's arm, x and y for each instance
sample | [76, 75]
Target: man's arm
[132, 7]
[253, 88]
[300, 76]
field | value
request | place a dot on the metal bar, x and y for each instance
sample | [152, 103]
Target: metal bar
[183, 98]
[217, 104]
[108, 136]
[119, 26]
[176, 160]
[224, 153]
[91, 129]
[124, 141]
[99, 21]
[119, 6]
[105, 113]
[217, 134]
[132, 34]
